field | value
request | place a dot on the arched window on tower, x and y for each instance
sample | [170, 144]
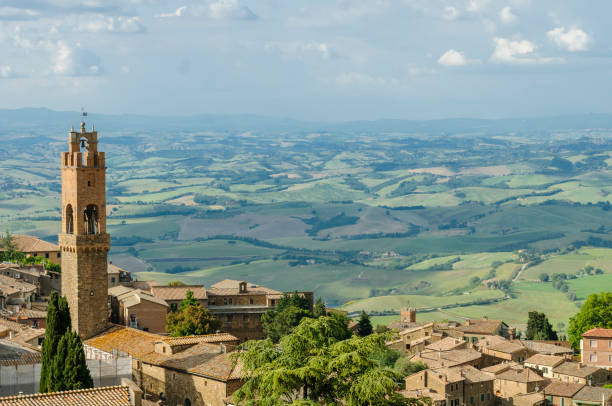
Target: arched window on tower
[69, 220]
[91, 219]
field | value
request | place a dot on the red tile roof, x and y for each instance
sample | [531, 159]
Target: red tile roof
[105, 396]
[598, 332]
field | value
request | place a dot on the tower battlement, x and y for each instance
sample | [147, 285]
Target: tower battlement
[83, 241]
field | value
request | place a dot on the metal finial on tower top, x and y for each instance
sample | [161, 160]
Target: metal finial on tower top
[83, 115]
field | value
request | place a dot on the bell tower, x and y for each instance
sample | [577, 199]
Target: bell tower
[83, 241]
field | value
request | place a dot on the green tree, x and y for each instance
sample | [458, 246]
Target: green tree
[63, 358]
[277, 324]
[364, 326]
[76, 374]
[595, 312]
[9, 247]
[319, 309]
[289, 311]
[544, 277]
[317, 364]
[539, 328]
[191, 319]
[176, 283]
[404, 367]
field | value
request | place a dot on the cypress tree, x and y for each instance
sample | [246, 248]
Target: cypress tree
[53, 332]
[76, 374]
[364, 326]
[58, 382]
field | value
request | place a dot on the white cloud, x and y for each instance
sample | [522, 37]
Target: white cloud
[300, 49]
[14, 13]
[6, 72]
[517, 52]
[571, 40]
[73, 60]
[215, 9]
[178, 13]
[507, 16]
[476, 6]
[452, 58]
[120, 24]
[451, 13]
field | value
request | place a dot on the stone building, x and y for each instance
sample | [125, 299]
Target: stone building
[16, 294]
[500, 349]
[474, 330]
[194, 370]
[515, 381]
[137, 309]
[83, 241]
[561, 393]
[174, 295]
[544, 363]
[593, 396]
[239, 305]
[576, 372]
[33, 246]
[596, 347]
[463, 385]
[45, 281]
[118, 276]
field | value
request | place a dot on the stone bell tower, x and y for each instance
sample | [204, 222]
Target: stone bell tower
[83, 241]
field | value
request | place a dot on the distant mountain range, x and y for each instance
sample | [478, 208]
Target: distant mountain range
[42, 119]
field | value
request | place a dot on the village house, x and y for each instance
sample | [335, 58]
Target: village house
[463, 385]
[559, 348]
[174, 295]
[529, 399]
[137, 309]
[45, 281]
[474, 330]
[447, 344]
[31, 318]
[126, 394]
[499, 349]
[596, 347]
[561, 393]
[15, 294]
[415, 339]
[435, 398]
[118, 276]
[593, 396]
[239, 305]
[544, 363]
[576, 372]
[450, 358]
[194, 370]
[33, 246]
[513, 379]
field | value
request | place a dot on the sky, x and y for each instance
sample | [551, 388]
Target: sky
[328, 60]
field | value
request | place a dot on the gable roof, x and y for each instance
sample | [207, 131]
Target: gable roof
[31, 244]
[598, 332]
[459, 373]
[481, 326]
[232, 287]
[178, 292]
[208, 338]
[520, 375]
[546, 348]
[130, 297]
[446, 344]
[546, 360]
[104, 396]
[593, 394]
[575, 369]
[563, 389]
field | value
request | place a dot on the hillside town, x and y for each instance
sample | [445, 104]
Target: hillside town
[142, 348]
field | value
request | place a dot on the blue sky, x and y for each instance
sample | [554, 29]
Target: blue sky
[308, 59]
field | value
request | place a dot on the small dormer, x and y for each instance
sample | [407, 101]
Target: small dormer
[243, 287]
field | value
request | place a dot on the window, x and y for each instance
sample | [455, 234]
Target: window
[59, 254]
[562, 401]
[251, 301]
[593, 343]
[47, 255]
[593, 357]
[245, 317]
[230, 300]
[472, 400]
[230, 317]
[187, 402]
[112, 279]
[482, 397]
[488, 396]
[173, 307]
[610, 358]
[224, 300]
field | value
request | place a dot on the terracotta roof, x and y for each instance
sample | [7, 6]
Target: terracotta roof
[507, 348]
[437, 359]
[457, 374]
[104, 396]
[480, 326]
[178, 292]
[209, 338]
[415, 328]
[114, 269]
[7, 283]
[232, 287]
[201, 358]
[575, 369]
[23, 359]
[598, 332]
[447, 343]
[546, 360]
[545, 348]
[220, 367]
[563, 389]
[497, 368]
[593, 394]
[528, 399]
[421, 393]
[32, 244]
[130, 297]
[30, 314]
[520, 375]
